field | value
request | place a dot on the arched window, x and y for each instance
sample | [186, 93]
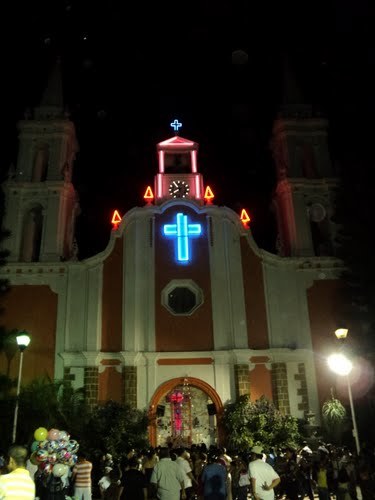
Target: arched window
[40, 166]
[320, 230]
[32, 234]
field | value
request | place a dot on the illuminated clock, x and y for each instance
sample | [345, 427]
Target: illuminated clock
[179, 189]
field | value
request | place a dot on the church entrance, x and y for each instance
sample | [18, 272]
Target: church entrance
[183, 412]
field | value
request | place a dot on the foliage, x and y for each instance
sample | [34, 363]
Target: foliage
[44, 403]
[334, 418]
[248, 423]
[114, 428]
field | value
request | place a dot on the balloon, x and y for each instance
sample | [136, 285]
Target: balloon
[53, 434]
[40, 434]
[43, 444]
[52, 458]
[46, 467]
[64, 436]
[52, 446]
[42, 455]
[59, 470]
[34, 446]
[73, 446]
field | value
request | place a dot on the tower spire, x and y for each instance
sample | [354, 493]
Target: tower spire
[52, 103]
[293, 102]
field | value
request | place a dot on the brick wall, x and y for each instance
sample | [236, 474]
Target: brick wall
[91, 385]
[242, 379]
[68, 377]
[302, 391]
[280, 387]
[130, 385]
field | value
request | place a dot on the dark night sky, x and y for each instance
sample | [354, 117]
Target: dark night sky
[127, 74]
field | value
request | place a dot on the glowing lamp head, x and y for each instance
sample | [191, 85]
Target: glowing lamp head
[23, 340]
[341, 333]
[340, 364]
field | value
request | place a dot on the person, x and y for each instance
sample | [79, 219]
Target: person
[133, 482]
[81, 478]
[104, 481]
[263, 477]
[18, 484]
[214, 479]
[182, 461]
[167, 478]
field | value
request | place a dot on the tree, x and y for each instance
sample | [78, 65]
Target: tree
[260, 422]
[44, 403]
[114, 428]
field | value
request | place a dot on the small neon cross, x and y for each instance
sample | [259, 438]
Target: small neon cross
[176, 125]
[182, 230]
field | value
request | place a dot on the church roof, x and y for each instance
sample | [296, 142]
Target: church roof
[177, 143]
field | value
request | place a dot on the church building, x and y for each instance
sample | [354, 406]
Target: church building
[182, 312]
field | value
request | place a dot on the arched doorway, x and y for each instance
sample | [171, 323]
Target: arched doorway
[185, 411]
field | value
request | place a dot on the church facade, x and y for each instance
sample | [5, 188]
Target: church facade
[182, 312]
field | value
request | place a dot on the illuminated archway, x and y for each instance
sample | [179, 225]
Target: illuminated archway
[168, 386]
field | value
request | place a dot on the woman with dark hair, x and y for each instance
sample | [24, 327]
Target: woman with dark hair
[290, 478]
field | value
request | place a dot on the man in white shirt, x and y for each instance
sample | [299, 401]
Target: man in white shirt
[263, 477]
[167, 478]
[183, 462]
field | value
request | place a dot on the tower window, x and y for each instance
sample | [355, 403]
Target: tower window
[178, 163]
[40, 166]
[32, 235]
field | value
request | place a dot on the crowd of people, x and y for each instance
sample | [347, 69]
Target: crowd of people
[198, 473]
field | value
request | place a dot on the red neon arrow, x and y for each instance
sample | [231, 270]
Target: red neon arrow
[149, 195]
[244, 217]
[116, 219]
[208, 194]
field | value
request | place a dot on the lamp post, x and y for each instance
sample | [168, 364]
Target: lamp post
[23, 340]
[342, 365]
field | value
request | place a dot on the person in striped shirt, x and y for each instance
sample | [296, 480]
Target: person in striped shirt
[81, 478]
[17, 485]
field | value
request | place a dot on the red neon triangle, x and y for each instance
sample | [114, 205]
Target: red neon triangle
[208, 194]
[149, 195]
[244, 217]
[116, 218]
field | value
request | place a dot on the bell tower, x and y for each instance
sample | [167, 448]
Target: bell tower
[304, 197]
[41, 202]
[178, 175]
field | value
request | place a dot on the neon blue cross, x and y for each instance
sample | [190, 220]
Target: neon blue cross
[182, 230]
[176, 125]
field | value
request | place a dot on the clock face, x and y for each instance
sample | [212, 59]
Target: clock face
[179, 189]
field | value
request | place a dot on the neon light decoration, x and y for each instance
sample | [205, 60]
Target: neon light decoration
[244, 217]
[149, 195]
[116, 219]
[176, 125]
[208, 195]
[182, 230]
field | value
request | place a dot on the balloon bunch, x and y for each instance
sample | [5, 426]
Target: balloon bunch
[53, 451]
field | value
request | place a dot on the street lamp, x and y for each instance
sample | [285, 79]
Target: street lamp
[23, 340]
[342, 365]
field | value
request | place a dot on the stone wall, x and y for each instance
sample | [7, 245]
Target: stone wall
[91, 385]
[302, 391]
[242, 379]
[280, 387]
[130, 385]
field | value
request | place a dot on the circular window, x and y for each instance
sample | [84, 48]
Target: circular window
[182, 297]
